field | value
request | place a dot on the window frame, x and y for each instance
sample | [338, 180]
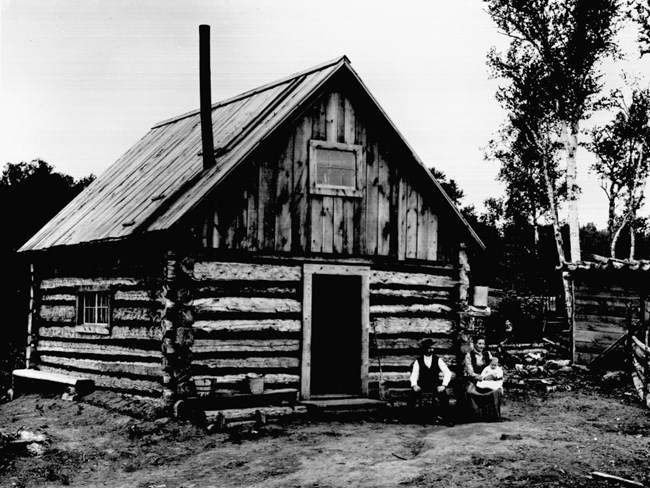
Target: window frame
[93, 327]
[334, 190]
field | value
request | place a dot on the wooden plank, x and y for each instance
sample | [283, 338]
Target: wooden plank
[58, 313]
[405, 361]
[424, 295]
[116, 332]
[316, 226]
[74, 282]
[397, 277]
[412, 222]
[413, 325]
[252, 216]
[266, 325]
[97, 349]
[328, 223]
[229, 379]
[219, 271]
[123, 384]
[348, 225]
[401, 219]
[239, 414]
[332, 117]
[391, 343]
[383, 205]
[432, 234]
[247, 304]
[256, 363]
[360, 246]
[365, 331]
[338, 225]
[604, 327]
[305, 358]
[341, 133]
[248, 288]
[319, 119]
[372, 198]
[127, 314]
[597, 337]
[283, 198]
[349, 121]
[300, 223]
[263, 203]
[112, 366]
[202, 346]
[435, 308]
[423, 230]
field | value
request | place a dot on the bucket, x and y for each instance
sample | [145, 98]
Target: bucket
[480, 296]
[256, 385]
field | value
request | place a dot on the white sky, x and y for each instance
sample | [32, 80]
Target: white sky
[81, 81]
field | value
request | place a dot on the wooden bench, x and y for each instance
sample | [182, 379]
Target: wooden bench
[33, 380]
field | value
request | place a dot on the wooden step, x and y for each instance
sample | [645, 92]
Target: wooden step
[246, 400]
[238, 416]
[342, 404]
[31, 379]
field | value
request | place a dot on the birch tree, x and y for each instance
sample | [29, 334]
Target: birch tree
[567, 39]
[622, 149]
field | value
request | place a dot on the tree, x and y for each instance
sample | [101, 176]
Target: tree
[639, 11]
[565, 40]
[34, 193]
[622, 149]
[31, 193]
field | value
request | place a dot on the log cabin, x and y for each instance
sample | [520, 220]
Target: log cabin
[288, 232]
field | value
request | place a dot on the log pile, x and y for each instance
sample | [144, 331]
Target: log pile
[534, 366]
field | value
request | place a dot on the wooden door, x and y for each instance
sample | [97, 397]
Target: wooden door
[336, 341]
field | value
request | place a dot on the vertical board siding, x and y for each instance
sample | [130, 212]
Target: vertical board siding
[247, 319]
[128, 359]
[601, 318]
[275, 211]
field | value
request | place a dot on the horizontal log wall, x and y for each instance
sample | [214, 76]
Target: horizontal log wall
[273, 208]
[406, 307]
[128, 359]
[601, 318]
[247, 319]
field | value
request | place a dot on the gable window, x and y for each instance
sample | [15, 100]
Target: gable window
[93, 311]
[334, 168]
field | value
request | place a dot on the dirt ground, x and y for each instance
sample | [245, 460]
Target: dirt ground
[549, 439]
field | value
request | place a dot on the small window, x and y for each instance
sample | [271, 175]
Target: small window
[334, 168]
[93, 312]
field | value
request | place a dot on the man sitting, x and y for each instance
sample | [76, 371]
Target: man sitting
[430, 376]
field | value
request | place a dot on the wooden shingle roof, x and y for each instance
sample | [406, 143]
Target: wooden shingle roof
[161, 178]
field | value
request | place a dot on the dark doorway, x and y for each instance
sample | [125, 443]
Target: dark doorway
[336, 335]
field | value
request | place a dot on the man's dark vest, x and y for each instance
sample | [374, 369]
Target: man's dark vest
[486, 360]
[429, 378]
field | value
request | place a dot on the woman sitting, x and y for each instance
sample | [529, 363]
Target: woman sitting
[483, 403]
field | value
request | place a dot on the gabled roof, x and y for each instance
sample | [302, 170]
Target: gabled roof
[161, 178]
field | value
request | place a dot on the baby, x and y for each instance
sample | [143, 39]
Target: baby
[494, 371]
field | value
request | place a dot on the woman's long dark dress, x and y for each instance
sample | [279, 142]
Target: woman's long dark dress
[484, 404]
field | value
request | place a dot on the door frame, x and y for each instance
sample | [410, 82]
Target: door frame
[308, 272]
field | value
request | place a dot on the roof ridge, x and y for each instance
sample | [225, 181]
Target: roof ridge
[341, 59]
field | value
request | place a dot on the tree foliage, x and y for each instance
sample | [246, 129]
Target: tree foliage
[562, 42]
[32, 193]
[622, 149]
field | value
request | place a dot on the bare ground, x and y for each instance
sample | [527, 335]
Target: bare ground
[550, 439]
